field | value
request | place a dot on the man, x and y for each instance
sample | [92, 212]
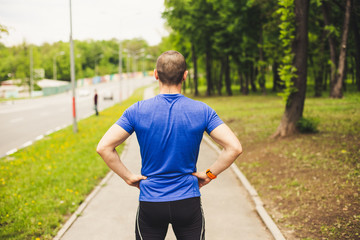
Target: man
[169, 129]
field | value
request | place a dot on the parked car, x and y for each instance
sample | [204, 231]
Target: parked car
[107, 95]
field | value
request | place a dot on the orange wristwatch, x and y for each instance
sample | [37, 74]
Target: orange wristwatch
[210, 174]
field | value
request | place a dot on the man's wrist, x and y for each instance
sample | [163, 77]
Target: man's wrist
[210, 175]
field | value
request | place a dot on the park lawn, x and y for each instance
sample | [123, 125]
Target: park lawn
[309, 183]
[43, 184]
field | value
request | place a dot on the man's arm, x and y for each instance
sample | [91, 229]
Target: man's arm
[115, 136]
[231, 150]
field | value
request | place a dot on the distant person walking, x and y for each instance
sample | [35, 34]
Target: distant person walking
[96, 103]
[169, 128]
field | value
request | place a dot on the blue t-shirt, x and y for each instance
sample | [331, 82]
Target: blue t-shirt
[169, 129]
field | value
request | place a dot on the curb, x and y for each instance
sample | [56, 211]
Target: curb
[259, 205]
[82, 207]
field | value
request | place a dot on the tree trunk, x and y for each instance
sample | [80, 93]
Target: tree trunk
[227, 76]
[261, 68]
[247, 80]
[319, 71]
[219, 84]
[277, 82]
[336, 90]
[252, 77]
[208, 57]
[241, 79]
[319, 81]
[325, 80]
[357, 48]
[295, 102]
[325, 8]
[194, 59]
[190, 83]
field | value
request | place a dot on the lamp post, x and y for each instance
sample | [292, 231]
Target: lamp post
[137, 55]
[127, 72]
[31, 72]
[120, 69]
[54, 64]
[72, 70]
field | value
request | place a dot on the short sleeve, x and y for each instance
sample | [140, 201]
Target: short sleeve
[126, 121]
[213, 120]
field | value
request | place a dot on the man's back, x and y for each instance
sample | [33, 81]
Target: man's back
[169, 128]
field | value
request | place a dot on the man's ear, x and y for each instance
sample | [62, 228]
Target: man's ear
[156, 74]
[185, 75]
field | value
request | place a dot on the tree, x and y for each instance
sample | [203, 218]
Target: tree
[337, 84]
[182, 16]
[295, 101]
[356, 33]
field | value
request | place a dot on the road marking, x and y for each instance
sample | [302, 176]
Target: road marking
[28, 143]
[49, 132]
[39, 137]
[11, 151]
[16, 120]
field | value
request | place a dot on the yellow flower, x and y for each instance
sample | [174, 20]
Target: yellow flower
[39, 223]
[37, 238]
[343, 151]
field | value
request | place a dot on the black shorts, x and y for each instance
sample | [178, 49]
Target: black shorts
[186, 217]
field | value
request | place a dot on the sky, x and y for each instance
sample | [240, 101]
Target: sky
[40, 21]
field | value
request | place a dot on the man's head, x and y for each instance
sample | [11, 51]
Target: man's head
[170, 68]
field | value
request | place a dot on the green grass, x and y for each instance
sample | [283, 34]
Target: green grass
[310, 183]
[43, 184]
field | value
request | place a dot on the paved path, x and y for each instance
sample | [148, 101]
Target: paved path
[228, 209]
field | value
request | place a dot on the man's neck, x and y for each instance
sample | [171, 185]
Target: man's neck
[169, 89]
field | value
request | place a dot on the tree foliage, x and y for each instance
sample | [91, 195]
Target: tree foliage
[91, 58]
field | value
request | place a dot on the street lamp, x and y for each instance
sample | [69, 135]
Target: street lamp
[127, 62]
[120, 70]
[139, 54]
[54, 64]
[31, 72]
[72, 74]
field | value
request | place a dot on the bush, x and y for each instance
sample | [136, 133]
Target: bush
[307, 125]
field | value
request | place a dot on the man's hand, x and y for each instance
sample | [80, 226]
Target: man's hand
[134, 180]
[203, 179]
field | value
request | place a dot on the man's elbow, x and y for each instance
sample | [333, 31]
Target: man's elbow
[100, 149]
[237, 149]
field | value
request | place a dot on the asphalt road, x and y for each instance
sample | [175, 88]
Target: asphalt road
[22, 121]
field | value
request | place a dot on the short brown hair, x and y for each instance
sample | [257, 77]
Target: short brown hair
[171, 67]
